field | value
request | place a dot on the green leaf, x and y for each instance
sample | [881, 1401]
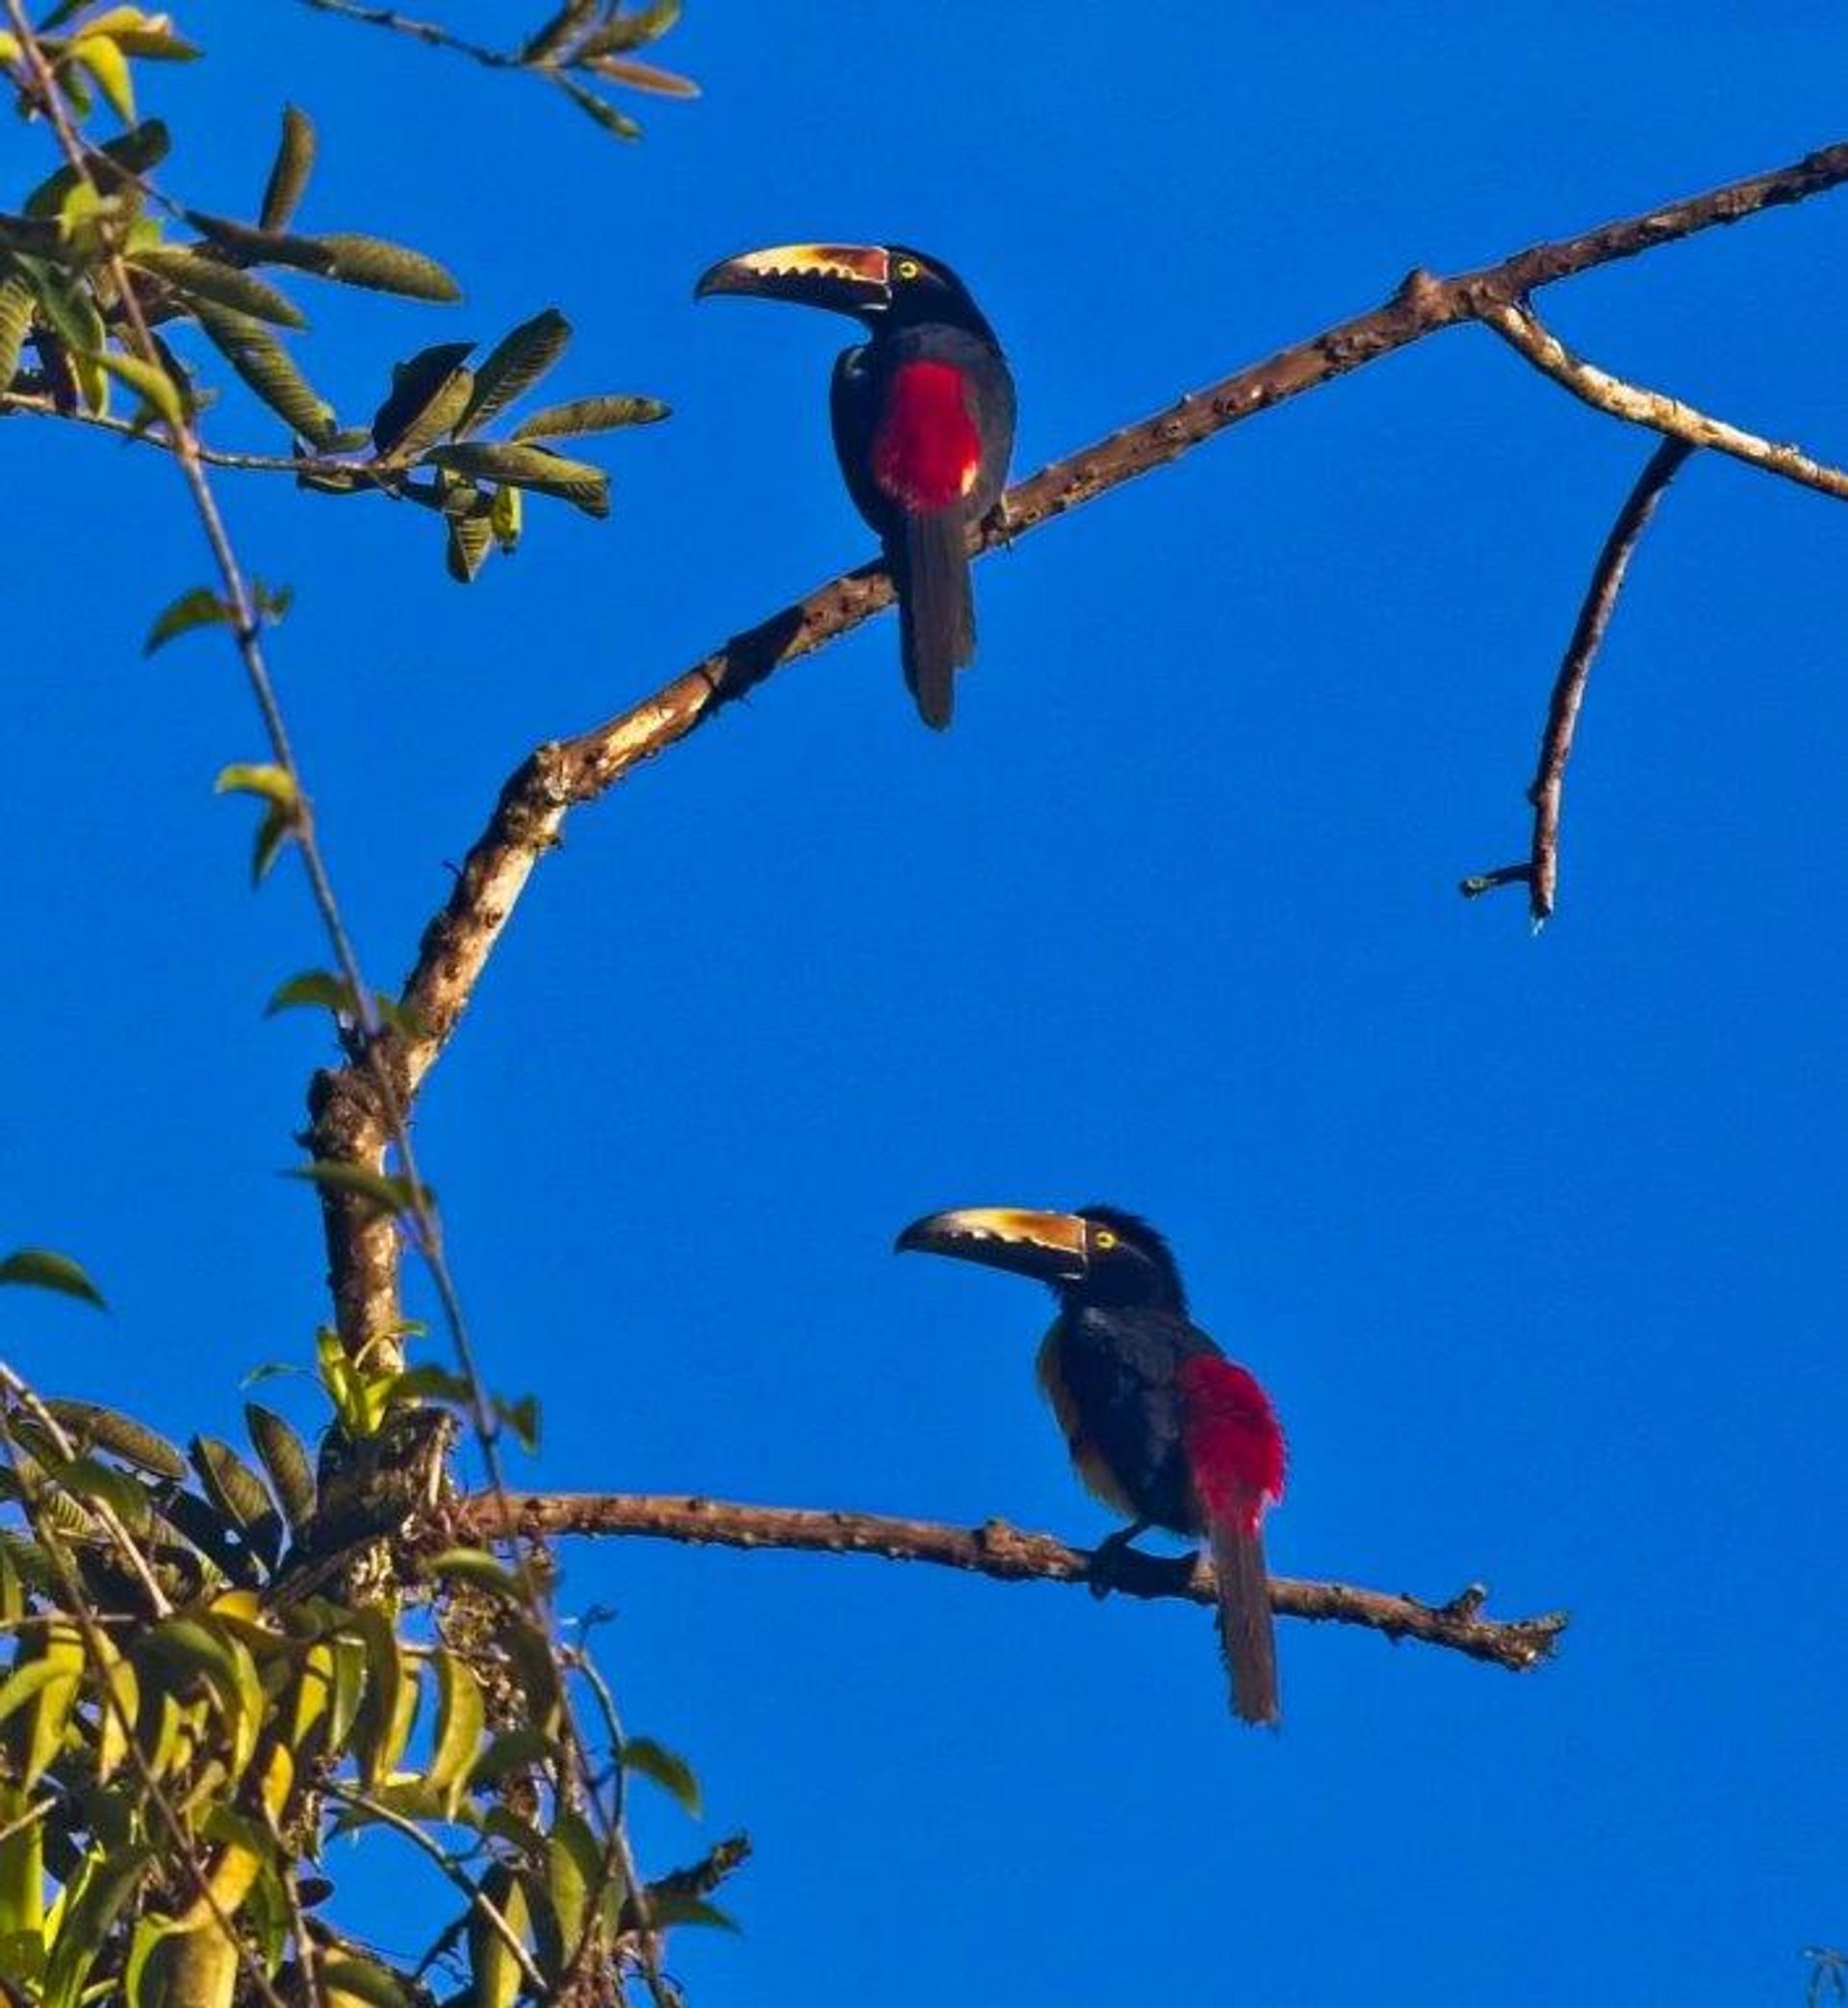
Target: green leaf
[102, 56]
[515, 364]
[196, 278]
[477, 1568]
[106, 1429]
[362, 1980]
[288, 176]
[16, 319]
[677, 1907]
[110, 1880]
[429, 393]
[229, 1482]
[585, 415]
[575, 1865]
[274, 831]
[512, 1750]
[318, 988]
[546, 472]
[470, 540]
[275, 784]
[43, 1269]
[285, 1458]
[113, 166]
[522, 1417]
[647, 1759]
[386, 267]
[387, 1194]
[201, 607]
[505, 519]
[150, 383]
[461, 1715]
[606, 114]
[269, 370]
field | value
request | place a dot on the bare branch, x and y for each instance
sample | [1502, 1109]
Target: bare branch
[1523, 331]
[559, 776]
[1009, 1554]
[1540, 874]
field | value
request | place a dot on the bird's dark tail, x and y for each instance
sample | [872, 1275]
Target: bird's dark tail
[1246, 1636]
[930, 564]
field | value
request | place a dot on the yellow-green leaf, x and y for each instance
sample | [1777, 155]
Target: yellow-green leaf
[201, 607]
[102, 56]
[585, 415]
[461, 1714]
[672, 1772]
[289, 175]
[514, 365]
[43, 1269]
[275, 784]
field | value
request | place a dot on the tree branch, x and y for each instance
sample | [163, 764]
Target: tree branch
[1540, 874]
[563, 773]
[1009, 1554]
[1521, 328]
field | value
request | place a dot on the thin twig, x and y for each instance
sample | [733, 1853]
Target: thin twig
[1523, 331]
[430, 33]
[387, 1816]
[1011, 1554]
[34, 404]
[1540, 874]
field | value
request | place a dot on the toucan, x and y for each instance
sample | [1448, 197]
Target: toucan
[1162, 1425]
[923, 416]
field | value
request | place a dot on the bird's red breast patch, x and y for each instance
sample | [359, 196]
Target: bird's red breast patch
[927, 451]
[1233, 1442]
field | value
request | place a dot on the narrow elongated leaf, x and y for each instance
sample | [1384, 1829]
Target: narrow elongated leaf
[679, 1907]
[470, 540]
[461, 1714]
[196, 278]
[516, 362]
[288, 176]
[643, 76]
[285, 1458]
[546, 472]
[102, 56]
[476, 1567]
[229, 1482]
[269, 370]
[106, 1429]
[361, 1980]
[84, 1932]
[149, 382]
[274, 784]
[672, 1772]
[16, 319]
[619, 124]
[273, 833]
[43, 1269]
[429, 393]
[493, 1971]
[319, 988]
[386, 267]
[585, 415]
[389, 1195]
[201, 607]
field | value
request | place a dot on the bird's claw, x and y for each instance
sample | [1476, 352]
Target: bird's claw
[1106, 1561]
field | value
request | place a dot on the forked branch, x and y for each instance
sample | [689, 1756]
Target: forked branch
[1540, 873]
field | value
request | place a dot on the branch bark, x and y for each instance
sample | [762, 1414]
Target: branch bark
[1009, 1554]
[564, 774]
[1540, 874]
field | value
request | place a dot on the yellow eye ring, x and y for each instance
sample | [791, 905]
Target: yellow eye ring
[1106, 1240]
[908, 267]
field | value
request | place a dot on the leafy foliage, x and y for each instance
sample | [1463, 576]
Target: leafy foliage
[90, 257]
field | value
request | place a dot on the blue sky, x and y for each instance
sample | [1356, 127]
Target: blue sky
[1536, 1242]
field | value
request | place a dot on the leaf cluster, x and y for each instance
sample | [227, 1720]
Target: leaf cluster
[93, 257]
[216, 1660]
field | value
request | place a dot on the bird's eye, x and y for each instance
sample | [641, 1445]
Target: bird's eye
[1106, 1240]
[908, 267]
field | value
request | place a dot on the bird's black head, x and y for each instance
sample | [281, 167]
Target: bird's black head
[1098, 1255]
[885, 286]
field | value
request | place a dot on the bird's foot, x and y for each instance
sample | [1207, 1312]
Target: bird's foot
[1107, 1558]
[997, 526]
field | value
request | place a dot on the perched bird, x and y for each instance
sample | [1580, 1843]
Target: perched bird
[1162, 1425]
[923, 416]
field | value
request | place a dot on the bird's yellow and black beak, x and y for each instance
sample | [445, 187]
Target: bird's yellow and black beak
[1051, 1247]
[847, 278]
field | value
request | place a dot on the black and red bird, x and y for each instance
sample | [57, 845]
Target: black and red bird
[1162, 1425]
[923, 416]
